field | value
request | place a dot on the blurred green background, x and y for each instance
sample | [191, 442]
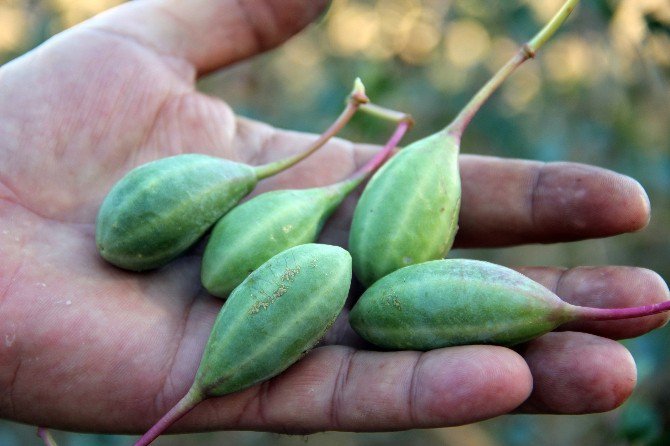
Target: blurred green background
[598, 93]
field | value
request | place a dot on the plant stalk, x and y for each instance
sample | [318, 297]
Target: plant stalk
[184, 406]
[386, 113]
[356, 99]
[46, 436]
[527, 51]
[377, 161]
[607, 314]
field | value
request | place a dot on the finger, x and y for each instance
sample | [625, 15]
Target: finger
[575, 373]
[337, 388]
[507, 202]
[607, 287]
[209, 34]
[504, 201]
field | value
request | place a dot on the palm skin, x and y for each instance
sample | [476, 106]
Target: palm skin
[90, 347]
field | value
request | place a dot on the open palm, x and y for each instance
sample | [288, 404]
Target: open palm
[86, 346]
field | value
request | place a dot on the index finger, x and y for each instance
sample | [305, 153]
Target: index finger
[507, 202]
[504, 201]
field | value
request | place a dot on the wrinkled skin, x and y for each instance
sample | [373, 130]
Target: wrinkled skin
[75, 332]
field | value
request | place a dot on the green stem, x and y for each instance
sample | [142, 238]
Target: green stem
[45, 435]
[356, 99]
[386, 113]
[550, 28]
[184, 406]
[527, 51]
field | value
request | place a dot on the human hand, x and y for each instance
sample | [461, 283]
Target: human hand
[90, 347]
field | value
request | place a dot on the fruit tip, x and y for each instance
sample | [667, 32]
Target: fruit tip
[358, 93]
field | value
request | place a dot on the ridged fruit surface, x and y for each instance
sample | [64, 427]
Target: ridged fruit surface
[454, 302]
[408, 212]
[159, 209]
[276, 315]
[260, 228]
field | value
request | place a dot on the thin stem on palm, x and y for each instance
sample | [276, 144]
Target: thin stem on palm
[184, 406]
[356, 99]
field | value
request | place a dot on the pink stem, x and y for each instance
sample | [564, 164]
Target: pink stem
[605, 314]
[45, 435]
[379, 158]
[188, 402]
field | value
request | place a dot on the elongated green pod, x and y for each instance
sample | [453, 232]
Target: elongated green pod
[269, 321]
[260, 228]
[408, 212]
[411, 228]
[161, 208]
[449, 302]
[278, 313]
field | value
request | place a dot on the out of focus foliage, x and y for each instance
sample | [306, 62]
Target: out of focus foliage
[598, 93]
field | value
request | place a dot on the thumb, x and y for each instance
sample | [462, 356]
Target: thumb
[209, 34]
